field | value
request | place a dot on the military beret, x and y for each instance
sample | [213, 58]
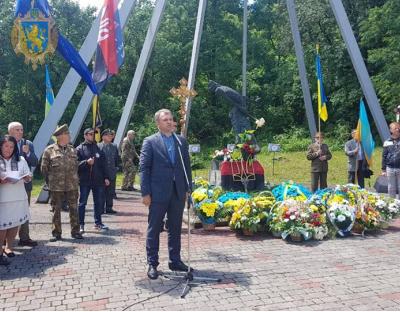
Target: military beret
[87, 130]
[106, 132]
[61, 129]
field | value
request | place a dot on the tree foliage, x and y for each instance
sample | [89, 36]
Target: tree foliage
[274, 90]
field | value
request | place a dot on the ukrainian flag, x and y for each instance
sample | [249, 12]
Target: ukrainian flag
[97, 122]
[49, 94]
[322, 99]
[364, 134]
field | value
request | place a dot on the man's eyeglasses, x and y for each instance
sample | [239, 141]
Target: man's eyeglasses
[90, 133]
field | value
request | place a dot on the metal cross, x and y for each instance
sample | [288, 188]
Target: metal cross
[183, 93]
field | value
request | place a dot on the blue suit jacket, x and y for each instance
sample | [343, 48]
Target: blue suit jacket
[157, 173]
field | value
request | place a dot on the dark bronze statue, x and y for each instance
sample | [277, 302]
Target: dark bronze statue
[238, 114]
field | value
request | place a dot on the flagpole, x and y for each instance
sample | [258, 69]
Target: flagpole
[318, 95]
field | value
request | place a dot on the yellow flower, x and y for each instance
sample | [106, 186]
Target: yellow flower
[209, 209]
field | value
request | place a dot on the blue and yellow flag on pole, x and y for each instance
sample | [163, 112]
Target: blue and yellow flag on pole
[364, 135]
[49, 94]
[322, 99]
[97, 122]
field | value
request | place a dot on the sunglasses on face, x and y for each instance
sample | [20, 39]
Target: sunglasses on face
[91, 133]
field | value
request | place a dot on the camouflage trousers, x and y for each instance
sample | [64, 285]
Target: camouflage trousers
[57, 200]
[129, 171]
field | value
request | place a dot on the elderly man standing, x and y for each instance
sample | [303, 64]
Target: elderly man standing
[110, 151]
[60, 169]
[25, 148]
[357, 163]
[128, 156]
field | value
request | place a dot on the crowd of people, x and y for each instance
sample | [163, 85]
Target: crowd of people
[165, 173]
[358, 169]
[70, 174]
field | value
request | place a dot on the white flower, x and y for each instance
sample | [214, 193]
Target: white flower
[380, 203]
[292, 217]
[286, 220]
[260, 122]
[341, 218]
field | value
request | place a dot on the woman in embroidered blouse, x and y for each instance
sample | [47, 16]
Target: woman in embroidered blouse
[14, 171]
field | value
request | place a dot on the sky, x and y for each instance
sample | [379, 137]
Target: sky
[85, 3]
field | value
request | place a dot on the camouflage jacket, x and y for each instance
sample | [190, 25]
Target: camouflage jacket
[128, 151]
[60, 168]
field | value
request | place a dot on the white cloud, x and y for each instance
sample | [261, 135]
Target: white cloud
[94, 3]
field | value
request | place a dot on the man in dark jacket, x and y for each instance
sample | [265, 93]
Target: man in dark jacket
[110, 151]
[391, 159]
[25, 148]
[319, 154]
[92, 177]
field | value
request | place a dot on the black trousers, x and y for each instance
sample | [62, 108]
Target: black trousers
[318, 178]
[360, 175]
[109, 195]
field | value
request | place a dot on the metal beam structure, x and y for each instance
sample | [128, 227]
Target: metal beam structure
[86, 100]
[195, 56]
[140, 70]
[302, 67]
[70, 84]
[360, 68]
[244, 53]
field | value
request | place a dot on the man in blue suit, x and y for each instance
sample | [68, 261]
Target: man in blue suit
[164, 189]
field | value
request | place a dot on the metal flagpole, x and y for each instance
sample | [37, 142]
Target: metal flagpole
[140, 70]
[244, 65]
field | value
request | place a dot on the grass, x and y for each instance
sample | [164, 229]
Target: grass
[288, 166]
[295, 166]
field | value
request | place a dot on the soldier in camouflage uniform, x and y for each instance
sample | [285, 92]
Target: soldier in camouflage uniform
[128, 156]
[60, 169]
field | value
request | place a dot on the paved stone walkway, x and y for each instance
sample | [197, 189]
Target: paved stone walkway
[106, 271]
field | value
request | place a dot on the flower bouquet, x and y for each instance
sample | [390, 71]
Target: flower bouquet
[342, 217]
[295, 215]
[247, 145]
[291, 189]
[222, 155]
[367, 217]
[208, 212]
[248, 218]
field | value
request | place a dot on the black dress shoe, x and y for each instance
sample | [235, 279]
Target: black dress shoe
[111, 211]
[9, 254]
[77, 236]
[27, 242]
[55, 238]
[152, 272]
[179, 266]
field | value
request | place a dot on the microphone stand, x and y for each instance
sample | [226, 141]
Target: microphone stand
[188, 278]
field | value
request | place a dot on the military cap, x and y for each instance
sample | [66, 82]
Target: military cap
[106, 132]
[61, 129]
[87, 130]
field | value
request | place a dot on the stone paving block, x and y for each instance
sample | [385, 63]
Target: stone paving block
[257, 273]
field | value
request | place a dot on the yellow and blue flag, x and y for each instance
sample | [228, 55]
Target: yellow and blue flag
[364, 135]
[97, 121]
[49, 93]
[322, 99]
